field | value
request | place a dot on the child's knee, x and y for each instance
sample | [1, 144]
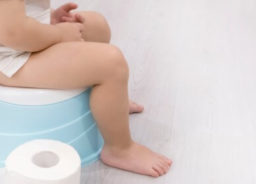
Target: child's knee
[98, 24]
[117, 64]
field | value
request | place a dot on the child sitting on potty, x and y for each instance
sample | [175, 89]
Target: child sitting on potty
[57, 49]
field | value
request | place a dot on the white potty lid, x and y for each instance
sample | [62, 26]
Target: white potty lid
[34, 96]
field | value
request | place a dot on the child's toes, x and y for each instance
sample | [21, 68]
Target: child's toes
[164, 165]
[157, 170]
[160, 169]
[167, 160]
[153, 172]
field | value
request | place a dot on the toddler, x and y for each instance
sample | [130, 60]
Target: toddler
[60, 49]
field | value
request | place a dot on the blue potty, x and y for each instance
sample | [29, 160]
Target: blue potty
[27, 114]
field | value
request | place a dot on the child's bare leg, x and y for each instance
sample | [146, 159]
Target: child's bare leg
[78, 64]
[97, 29]
[120, 150]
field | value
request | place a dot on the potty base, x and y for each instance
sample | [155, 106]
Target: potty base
[69, 121]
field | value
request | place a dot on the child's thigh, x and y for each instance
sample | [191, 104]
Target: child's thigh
[66, 66]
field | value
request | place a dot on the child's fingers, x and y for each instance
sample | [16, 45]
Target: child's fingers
[69, 6]
[73, 18]
[68, 19]
[79, 18]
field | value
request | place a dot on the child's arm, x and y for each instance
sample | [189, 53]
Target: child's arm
[23, 33]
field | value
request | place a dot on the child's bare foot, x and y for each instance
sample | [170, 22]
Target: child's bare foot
[136, 158]
[135, 108]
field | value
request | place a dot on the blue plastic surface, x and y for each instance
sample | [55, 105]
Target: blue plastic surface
[69, 121]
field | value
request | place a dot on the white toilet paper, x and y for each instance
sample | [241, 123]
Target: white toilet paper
[43, 162]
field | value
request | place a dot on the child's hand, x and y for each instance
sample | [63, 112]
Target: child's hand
[70, 31]
[63, 14]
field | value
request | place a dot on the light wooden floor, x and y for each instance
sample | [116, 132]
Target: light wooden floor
[193, 66]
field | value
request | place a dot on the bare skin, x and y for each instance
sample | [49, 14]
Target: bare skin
[135, 108]
[63, 14]
[73, 65]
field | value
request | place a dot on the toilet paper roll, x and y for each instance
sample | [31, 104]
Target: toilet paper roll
[43, 162]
